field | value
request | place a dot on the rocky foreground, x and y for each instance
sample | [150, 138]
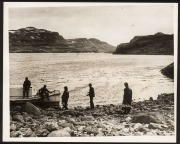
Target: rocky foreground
[150, 117]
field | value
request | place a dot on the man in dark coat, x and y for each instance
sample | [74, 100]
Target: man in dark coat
[91, 94]
[26, 86]
[44, 92]
[127, 99]
[65, 98]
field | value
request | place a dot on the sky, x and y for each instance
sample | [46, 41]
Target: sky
[112, 24]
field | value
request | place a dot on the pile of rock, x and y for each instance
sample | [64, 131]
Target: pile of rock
[108, 120]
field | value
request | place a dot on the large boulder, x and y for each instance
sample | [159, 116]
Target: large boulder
[30, 108]
[147, 118]
[59, 133]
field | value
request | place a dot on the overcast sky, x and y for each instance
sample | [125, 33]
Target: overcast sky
[113, 24]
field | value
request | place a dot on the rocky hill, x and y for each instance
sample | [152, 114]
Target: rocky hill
[157, 44]
[168, 71]
[33, 40]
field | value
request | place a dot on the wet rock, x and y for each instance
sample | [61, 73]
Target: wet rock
[50, 126]
[42, 132]
[30, 108]
[87, 118]
[146, 118]
[59, 133]
[18, 118]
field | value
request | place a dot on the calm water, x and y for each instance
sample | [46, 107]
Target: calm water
[106, 72]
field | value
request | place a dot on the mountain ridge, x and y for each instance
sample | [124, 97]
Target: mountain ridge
[34, 40]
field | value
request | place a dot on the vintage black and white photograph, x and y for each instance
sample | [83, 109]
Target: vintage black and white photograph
[90, 72]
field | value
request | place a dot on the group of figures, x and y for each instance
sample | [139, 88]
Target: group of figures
[44, 93]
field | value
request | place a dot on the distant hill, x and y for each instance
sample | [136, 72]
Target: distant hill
[33, 40]
[157, 44]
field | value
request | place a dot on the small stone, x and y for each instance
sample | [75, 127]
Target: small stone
[137, 125]
[87, 118]
[27, 132]
[126, 130]
[154, 126]
[138, 133]
[50, 126]
[42, 132]
[128, 119]
[18, 118]
[12, 127]
[15, 134]
[64, 125]
[59, 133]
[101, 125]
[80, 128]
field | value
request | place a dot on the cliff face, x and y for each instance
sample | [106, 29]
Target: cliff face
[158, 44]
[33, 40]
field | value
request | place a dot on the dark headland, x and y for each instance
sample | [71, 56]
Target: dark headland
[157, 44]
[33, 40]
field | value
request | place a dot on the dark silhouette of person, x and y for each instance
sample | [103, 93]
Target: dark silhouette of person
[26, 87]
[91, 94]
[127, 99]
[44, 92]
[65, 98]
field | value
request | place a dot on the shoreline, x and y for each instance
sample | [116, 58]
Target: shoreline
[148, 117]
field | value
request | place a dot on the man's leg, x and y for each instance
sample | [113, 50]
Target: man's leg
[91, 103]
[47, 96]
[27, 93]
[23, 93]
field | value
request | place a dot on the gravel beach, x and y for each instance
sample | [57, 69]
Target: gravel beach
[148, 117]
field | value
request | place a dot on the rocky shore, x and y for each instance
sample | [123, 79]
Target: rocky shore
[149, 117]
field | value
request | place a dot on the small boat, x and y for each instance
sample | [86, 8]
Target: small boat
[16, 96]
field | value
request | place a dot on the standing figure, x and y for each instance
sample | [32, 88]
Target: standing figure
[26, 86]
[127, 99]
[44, 92]
[65, 98]
[91, 94]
